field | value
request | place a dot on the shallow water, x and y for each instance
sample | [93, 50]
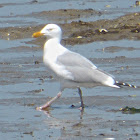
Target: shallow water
[25, 85]
[20, 13]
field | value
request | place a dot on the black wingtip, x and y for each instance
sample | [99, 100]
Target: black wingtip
[120, 84]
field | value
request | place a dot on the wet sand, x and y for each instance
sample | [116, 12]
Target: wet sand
[26, 84]
[125, 27]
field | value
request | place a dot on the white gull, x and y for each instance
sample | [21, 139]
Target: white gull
[70, 68]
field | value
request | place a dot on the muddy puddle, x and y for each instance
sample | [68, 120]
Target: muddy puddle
[106, 32]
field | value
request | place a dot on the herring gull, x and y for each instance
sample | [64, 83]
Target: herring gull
[70, 68]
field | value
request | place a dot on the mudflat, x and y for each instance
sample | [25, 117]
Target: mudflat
[111, 44]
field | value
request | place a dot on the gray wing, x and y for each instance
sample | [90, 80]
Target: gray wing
[82, 69]
[74, 59]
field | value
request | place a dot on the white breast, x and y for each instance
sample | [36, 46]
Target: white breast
[51, 52]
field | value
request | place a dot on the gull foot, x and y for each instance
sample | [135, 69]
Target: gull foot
[39, 108]
[81, 108]
[42, 108]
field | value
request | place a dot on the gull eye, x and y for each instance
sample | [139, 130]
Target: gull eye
[50, 29]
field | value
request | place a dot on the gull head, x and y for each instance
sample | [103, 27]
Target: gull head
[50, 31]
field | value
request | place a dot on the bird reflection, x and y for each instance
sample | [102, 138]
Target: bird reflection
[48, 111]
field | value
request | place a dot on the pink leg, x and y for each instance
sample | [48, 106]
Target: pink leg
[50, 102]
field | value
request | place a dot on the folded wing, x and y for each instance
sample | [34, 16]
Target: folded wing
[83, 70]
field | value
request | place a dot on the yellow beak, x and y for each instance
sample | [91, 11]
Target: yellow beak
[37, 34]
